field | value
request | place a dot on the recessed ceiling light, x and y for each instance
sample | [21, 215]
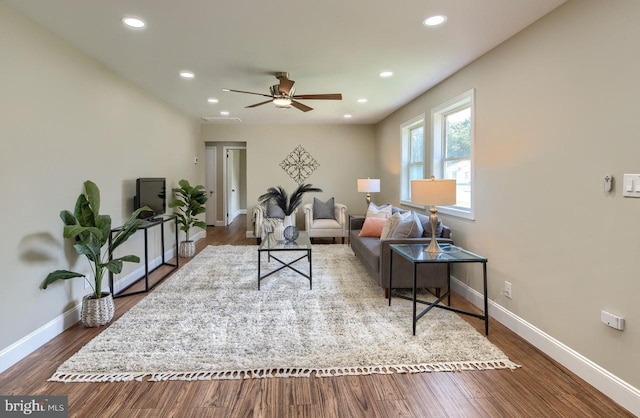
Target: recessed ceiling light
[212, 100]
[226, 90]
[348, 116]
[363, 100]
[434, 20]
[133, 22]
[224, 113]
[386, 74]
[186, 74]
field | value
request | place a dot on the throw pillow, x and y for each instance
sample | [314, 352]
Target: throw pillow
[372, 227]
[324, 210]
[408, 228]
[392, 222]
[274, 211]
[383, 211]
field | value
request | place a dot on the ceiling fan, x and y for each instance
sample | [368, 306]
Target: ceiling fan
[283, 94]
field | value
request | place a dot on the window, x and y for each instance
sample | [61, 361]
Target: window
[453, 127]
[412, 155]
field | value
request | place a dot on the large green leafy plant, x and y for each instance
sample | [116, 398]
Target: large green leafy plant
[282, 199]
[189, 201]
[90, 231]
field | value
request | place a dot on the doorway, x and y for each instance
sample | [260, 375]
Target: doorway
[211, 185]
[235, 182]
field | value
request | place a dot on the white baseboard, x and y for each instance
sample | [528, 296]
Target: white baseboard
[28, 344]
[615, 388]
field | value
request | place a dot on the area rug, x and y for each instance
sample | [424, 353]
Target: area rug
[210, 321]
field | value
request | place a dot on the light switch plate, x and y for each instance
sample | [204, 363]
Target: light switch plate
[631, 185]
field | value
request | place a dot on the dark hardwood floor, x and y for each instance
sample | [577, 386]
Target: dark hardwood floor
[541, 388]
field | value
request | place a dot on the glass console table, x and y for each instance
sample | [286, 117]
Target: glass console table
[451, 254]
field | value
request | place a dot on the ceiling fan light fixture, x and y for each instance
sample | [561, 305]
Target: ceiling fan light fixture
[282, 101]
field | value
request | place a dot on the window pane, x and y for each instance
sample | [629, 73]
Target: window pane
[416, 172]
[458, 134]
[461, 172]
[417, 144]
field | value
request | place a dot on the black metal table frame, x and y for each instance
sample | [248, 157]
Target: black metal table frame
[285, 264]
[175, 266]
[447, 294]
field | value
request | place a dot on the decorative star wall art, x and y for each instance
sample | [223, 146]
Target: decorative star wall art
[299, 164]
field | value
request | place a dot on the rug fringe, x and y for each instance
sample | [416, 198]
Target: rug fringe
[286, 372]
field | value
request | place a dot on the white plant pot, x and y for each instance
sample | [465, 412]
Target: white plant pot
[97, 312]
[187, 249]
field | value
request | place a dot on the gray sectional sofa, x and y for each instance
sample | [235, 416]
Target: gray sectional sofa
[374, 254]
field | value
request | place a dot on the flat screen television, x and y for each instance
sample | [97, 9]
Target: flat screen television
[151, 192]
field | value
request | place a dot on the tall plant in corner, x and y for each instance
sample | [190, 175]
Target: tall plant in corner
[189, 203]
[90, 232]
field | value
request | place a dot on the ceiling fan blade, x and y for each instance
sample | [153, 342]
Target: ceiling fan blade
[333, 96]
[248, 92]
[259, 104]
[300, 106]
[285, 86]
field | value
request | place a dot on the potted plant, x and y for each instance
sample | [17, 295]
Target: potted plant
[90, 231]
[189, 202]
[286, 203]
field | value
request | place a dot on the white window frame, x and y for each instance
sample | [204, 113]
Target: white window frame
[405, 163]
[438, 114]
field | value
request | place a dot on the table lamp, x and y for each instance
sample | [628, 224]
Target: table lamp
[433, 192]
[368, 186]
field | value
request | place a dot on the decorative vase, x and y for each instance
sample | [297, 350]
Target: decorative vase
[187, 249]
[97, 312]
[288, 221]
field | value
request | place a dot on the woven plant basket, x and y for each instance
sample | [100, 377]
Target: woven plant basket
[187, 249]
[97, 312]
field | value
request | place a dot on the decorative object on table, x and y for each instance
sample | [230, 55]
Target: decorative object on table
[287, 203]
[299, 164]
[368, 186]
[433, 192]
[291, 233]
[90, 232]
[158, 339]
[189, 202]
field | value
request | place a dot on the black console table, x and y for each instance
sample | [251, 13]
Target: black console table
[150, 224]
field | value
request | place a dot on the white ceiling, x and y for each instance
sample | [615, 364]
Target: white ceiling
[327, 46]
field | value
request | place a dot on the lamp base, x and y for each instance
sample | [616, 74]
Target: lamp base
[368, 199]
[433, 247]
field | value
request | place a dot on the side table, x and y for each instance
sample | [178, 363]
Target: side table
[451, 254]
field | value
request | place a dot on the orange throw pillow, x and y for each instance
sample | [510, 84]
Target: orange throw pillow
[372, 227]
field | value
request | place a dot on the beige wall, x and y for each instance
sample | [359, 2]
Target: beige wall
[556, 110]
[65, 119]
[344, 153]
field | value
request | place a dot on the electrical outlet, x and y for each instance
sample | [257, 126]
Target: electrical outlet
[507, 289]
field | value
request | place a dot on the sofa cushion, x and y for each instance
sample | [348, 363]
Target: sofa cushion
[383, 211]
[324, 210]
[411, 227]
[372, 227]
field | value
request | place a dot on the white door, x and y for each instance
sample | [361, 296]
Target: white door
[233, 184]
[210, 185]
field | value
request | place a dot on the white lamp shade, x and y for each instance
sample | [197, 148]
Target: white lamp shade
[433, 192]
[369, 185]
